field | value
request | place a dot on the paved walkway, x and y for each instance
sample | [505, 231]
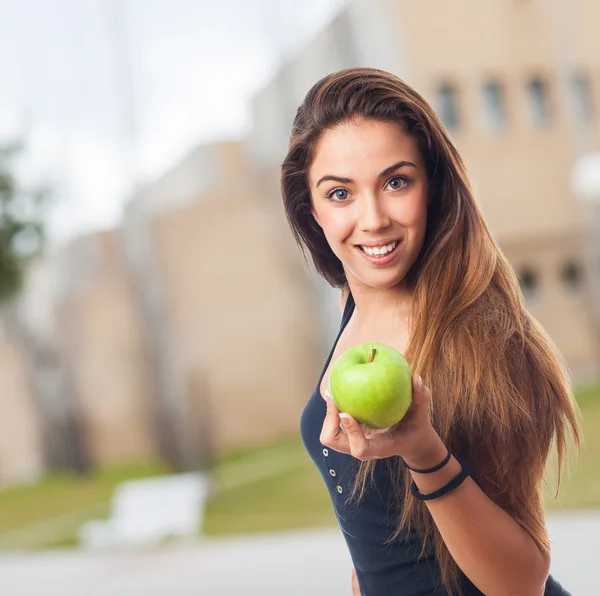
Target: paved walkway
[311, 563]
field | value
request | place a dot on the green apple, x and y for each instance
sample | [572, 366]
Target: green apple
[373, 383]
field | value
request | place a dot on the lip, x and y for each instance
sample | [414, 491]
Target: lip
[380, 260]
[379, 243]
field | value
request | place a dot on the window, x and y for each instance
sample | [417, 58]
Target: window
[581, 95]
[448, 106]
[495, 108]
[528, 280]
[572, 276]
[539, 102]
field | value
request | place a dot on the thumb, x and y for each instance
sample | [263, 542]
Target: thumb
[330, 403]
[350, 425]
[358, 442]
[331, 415]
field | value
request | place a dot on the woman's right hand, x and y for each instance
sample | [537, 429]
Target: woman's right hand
[355, 586]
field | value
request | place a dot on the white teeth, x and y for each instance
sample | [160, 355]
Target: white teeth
[379, 251]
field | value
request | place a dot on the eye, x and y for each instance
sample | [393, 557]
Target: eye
[397, 182]
[338, 194]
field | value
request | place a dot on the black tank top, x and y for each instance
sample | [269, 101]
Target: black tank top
[383, 568]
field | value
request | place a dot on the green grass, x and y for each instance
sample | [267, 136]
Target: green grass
[245, 454]
[580, 483]
[293, 499]
[268, 488]
[290, 495]
[60, 493]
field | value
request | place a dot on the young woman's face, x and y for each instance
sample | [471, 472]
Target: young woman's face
[369, 193]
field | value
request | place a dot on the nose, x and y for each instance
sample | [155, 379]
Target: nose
[372, 214]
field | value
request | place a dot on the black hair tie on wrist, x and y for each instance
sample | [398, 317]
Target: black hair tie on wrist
[454, 483]
[434, 469]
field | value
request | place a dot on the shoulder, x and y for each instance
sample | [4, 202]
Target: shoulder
[344, 298]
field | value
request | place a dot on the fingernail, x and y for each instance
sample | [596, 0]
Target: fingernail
[345, 418]
[420, 382]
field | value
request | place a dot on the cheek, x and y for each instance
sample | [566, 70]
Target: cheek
[420, 226]
[336, 224]
[413, 214]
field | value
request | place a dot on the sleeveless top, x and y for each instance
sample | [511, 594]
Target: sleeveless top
[383, 567]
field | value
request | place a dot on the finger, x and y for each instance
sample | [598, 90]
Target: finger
[417, 386]
[424, 398]
[331, 435]
[421, 393]
[358, 443]
[420, 408]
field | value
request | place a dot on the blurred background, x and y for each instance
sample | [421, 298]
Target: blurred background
[159, 330]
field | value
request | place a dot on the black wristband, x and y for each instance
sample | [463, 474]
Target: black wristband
[434, 469]
[454, 483]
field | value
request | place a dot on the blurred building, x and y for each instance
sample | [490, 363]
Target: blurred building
[228, 318]
[21, 448]
[73, 366]
[102, 348]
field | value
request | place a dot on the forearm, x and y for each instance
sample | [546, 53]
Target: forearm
[495, 552]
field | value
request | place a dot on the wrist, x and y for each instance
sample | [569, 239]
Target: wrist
[431, 452]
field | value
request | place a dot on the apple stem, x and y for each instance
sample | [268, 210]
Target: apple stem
[371, 355]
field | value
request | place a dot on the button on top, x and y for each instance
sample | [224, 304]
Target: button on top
[332, 472]
[325, 452]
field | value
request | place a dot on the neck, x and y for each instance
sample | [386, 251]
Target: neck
[375, 308]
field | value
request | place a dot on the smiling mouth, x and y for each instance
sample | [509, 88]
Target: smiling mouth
[379, 251]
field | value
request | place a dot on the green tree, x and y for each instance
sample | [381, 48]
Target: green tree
[22, 214]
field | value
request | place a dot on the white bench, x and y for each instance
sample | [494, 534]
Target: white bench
[146, 512]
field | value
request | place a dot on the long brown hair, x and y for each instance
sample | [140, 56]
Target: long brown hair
[503, 389]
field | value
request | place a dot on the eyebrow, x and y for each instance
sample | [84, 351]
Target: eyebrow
[383, 174]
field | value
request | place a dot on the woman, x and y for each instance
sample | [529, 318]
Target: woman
[449, 501]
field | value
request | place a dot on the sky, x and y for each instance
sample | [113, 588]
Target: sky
[107, 91]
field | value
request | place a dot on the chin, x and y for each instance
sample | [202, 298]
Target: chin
[381, 285]
[380, 282]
